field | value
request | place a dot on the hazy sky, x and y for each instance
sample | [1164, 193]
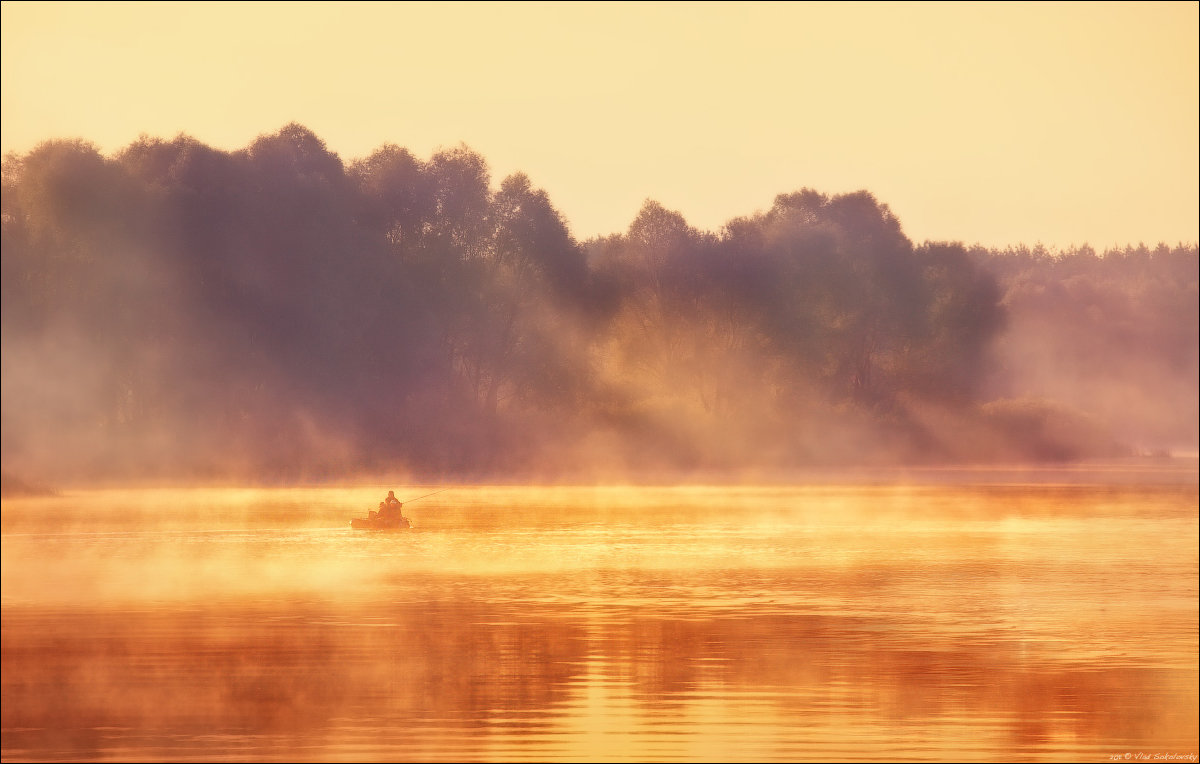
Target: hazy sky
[992, 123]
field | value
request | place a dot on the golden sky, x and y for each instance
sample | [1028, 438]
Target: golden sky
[991, 123]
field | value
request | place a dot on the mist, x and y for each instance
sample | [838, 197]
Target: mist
[275, 314]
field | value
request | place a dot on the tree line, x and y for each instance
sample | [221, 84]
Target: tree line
[180, 311]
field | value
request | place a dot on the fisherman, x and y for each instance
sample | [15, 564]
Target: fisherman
[389, 509]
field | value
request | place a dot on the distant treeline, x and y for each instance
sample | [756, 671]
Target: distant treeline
[274, 313]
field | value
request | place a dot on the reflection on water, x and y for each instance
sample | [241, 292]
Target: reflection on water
[826, 623]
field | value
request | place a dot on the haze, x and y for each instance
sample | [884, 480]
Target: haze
[592, 241]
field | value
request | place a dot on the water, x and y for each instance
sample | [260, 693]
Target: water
[894, 622]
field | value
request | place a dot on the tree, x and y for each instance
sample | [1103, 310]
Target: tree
[395, 194]
[510, 343]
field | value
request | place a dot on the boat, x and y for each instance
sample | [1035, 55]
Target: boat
[378, 523]
[386, 519]
[389, 517]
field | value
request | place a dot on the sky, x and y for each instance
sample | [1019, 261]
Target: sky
[997, 124]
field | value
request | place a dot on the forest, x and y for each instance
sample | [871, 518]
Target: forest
[179, 312]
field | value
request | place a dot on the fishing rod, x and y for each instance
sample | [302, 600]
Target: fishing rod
[410, 501]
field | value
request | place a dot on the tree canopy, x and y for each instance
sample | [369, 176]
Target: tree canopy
[270, 313]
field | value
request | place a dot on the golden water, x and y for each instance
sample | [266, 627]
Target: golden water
[973, 622]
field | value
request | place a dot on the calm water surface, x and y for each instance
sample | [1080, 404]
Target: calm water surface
[974, 622]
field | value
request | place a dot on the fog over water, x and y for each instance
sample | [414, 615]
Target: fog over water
[1010, 621]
